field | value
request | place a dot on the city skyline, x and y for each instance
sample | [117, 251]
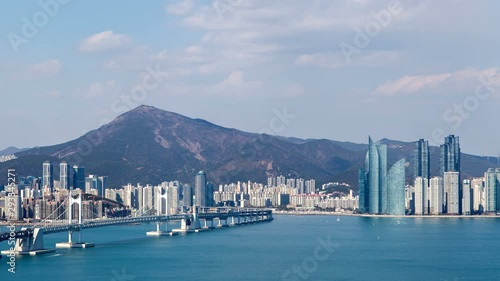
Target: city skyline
[249, 139]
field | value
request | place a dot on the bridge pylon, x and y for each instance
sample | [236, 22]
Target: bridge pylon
[75, 198]
[159, 207]
[191, 223]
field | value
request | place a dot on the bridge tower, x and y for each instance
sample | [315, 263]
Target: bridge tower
[75, 198]
[191, 223]
[159, 205]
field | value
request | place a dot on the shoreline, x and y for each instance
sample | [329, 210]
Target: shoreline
[380, 216]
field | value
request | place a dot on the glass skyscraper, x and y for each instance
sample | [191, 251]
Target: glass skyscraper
[421, 160]
[396, 189]
[450, 162]
[492, 190]
[79, 177]
[381, 192]
[450, 155]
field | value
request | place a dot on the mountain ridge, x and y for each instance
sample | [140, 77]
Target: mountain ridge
[150, 145]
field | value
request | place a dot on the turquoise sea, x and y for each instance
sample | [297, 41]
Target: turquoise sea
[289, 248]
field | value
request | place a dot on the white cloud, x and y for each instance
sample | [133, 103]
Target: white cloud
[104, 41]
[99, 88]
[234, 79]
[235, 84]
[448, 82]
[180, 8]
[46, 68]
[334, 60]
[193, 50]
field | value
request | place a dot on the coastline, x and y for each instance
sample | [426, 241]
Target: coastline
[296, 213]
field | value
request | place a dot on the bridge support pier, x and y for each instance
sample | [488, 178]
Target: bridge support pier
[160, 232]
[31, 245]
[191, 223]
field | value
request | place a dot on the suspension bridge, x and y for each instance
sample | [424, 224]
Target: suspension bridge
[29, 240]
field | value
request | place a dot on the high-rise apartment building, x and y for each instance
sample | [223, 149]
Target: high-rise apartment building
[200, 189]
[492, 190]
[436, 190]
[64, 175]
[452, 200]
[47, 176]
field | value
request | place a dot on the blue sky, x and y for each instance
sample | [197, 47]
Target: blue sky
[411, 69]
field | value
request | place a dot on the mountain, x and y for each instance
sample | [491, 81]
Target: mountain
[149, 145]
[11, 150]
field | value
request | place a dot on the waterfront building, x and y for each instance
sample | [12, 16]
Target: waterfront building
[452, 200]
[478, 194]
[436, 190]
[421, 196]
[467, 198]
[381, 192]
[421, 161]
[450, 155]
[492, 190]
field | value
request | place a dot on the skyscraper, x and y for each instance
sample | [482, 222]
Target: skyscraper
[64, 175]
[450, 155]
[421, 196]
[381, 192]
[47, 177]
[422, 160]
[436, 190]
[209, 194]
[467, 198]
[450, 162]
[478, 194]
[492, 190]
[102, 185]
[396, 189]
[452, 199]
[79, 177]
[200, 189]
[187, 195]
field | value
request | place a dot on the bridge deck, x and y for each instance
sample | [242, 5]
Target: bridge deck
[119, 221]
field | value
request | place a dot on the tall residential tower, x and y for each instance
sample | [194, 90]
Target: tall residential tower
[64, 175]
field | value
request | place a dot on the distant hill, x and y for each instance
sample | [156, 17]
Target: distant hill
[149, 145]
[11, 150]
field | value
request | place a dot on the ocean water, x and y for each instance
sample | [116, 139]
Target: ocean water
[289, 248]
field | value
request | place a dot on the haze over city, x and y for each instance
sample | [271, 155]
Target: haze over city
[346, 69]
